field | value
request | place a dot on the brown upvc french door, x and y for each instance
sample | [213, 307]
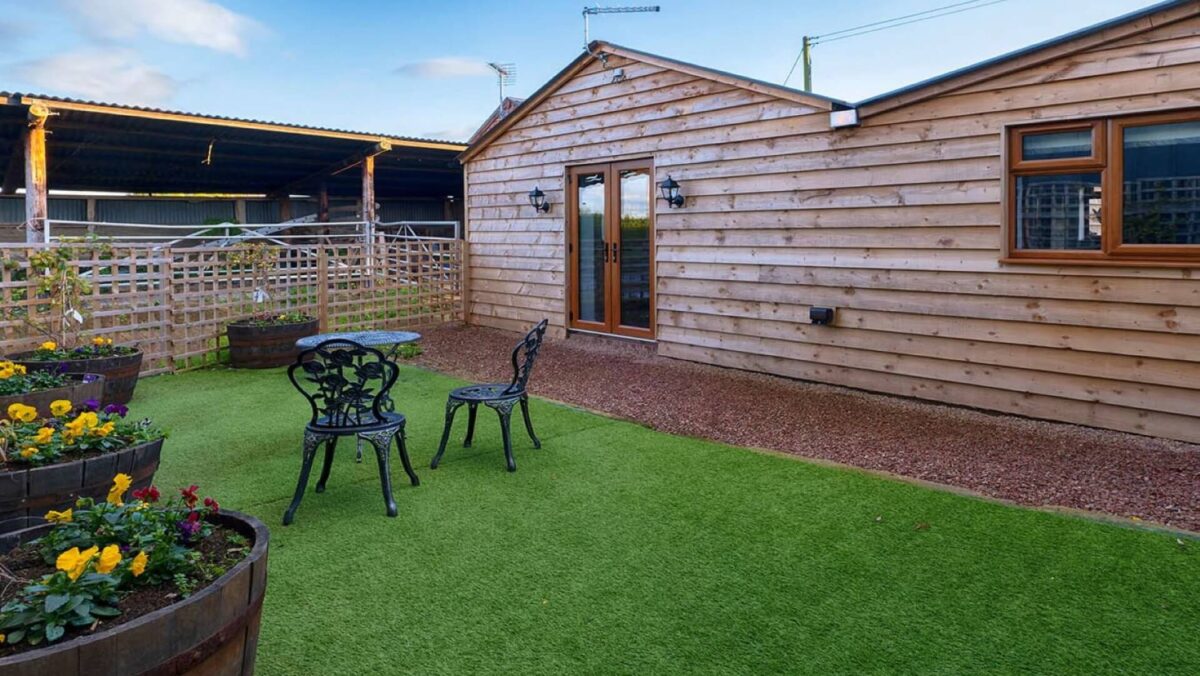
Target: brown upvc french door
[610, 248]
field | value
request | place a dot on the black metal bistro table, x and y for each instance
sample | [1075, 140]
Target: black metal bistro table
[367, 338]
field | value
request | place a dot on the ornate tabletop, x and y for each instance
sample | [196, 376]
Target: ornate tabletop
[370, 338]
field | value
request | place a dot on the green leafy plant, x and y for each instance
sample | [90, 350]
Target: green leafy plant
[16, 379]
[98, 348]
[409, 351]
[26, 439]
[101, 550]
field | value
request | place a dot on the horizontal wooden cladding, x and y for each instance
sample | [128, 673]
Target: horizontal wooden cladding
[1172, 78]
[952, 368]
[766, 180]
[1026, 404]
[1099, 288]
[811, 133]
[792, 325]
[982, 237]
[1167, 51]
[1134, 316]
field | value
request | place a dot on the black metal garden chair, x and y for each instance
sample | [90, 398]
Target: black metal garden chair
[348, 387]
[499, 396]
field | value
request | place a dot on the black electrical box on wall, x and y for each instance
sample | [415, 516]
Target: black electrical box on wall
[821, 315]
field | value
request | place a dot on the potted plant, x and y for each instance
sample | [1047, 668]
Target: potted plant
[132, 585]
[62, 311]
[50, 462]
[266, 338]
[39, 389]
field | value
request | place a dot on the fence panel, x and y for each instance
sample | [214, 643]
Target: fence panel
[175, 303]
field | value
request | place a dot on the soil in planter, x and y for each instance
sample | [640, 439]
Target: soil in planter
[220, 552]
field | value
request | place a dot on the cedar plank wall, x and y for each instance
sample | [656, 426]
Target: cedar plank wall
[896, 223]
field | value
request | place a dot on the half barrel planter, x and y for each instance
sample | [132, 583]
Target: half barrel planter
[77, 393]
[27, 494]
[120, 372]
[214, 631]
[253, 346]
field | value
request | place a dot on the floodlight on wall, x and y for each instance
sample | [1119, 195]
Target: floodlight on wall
[670, 192]
[537, 198]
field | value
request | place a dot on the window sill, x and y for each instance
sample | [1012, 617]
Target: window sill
[1105, 262]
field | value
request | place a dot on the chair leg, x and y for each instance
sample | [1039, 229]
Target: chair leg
[329, 446]
[471, 409]
[504, 410]
[311, 441]
[528, 423]
[451, 406]
[383, 449]
[402, 449]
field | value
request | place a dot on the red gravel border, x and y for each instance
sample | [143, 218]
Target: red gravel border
[1026, 461]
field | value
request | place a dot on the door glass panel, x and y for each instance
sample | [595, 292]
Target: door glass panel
[634, 262]
[1162, 184]
[590, 256]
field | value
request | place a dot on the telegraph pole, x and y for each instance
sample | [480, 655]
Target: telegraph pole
[806, 56]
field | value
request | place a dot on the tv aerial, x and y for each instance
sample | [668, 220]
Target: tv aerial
[506, 74]
[590, 11]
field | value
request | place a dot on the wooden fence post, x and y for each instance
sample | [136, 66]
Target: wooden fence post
[322, 289]
[167, 280]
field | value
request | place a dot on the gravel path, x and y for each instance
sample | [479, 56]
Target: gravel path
[1027, 461]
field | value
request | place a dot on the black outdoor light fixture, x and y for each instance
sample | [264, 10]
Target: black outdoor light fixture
[822, 316]
[538, 199]
[670, 192]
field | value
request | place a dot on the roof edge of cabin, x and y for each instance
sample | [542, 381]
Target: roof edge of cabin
[1126, 25]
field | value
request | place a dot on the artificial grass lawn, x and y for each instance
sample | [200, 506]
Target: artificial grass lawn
[615, 548]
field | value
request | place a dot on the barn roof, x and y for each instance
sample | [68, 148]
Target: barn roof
[119, 148]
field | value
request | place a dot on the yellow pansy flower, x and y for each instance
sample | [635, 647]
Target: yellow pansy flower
[97, 341]
[22, 412]
[49, 345]
[105, 429]
[60, 407]
[73, 562]
[29, 452]
[121, 483]
[19, 369]
[138, 566]
[6, 372]
[109, 558]
[64, 516]
[44, 436]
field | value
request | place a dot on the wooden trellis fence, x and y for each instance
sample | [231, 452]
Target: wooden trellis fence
[175, 303]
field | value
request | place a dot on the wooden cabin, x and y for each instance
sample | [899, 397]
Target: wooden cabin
[1022, 235]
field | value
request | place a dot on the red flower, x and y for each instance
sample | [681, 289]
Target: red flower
[193, 516]
[212, 504]
[146, 494]
[189, 495]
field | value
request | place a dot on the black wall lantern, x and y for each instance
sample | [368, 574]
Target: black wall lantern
[538, 199]
[670, 192]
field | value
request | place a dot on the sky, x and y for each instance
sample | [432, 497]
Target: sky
[418, 68]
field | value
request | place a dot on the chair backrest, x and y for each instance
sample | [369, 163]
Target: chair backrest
[523, 356]
[345, 383]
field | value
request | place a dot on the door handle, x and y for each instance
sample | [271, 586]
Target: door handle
[614, 248]
[604, 247]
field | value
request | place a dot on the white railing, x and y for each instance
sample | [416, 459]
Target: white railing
[225, 234]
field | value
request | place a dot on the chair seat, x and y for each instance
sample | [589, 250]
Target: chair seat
[486, 392]
[323, 425]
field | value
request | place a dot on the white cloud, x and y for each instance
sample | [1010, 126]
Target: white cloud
[460, 133]
[445, 67]
[114, 75]
[189, 22]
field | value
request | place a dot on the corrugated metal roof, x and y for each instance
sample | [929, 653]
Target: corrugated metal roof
[15, 98]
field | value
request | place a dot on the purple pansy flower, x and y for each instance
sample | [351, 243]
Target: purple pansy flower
[117, 409]
[90, 404]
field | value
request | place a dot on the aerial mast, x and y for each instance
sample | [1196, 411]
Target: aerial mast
[589, 11]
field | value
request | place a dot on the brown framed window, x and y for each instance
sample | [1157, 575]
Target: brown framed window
[1118, 189]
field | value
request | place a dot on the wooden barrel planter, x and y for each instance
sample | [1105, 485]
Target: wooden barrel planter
[77, 393]
[261, 346]
[27, 494]
[120, 372]
[214, 631]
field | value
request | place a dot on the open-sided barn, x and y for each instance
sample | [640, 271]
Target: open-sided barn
[1021, 235]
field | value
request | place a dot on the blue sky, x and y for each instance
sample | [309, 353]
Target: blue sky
[416, 68]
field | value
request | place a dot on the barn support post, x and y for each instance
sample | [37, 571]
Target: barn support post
[36, 205]
[368, 213]
[323, 203]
